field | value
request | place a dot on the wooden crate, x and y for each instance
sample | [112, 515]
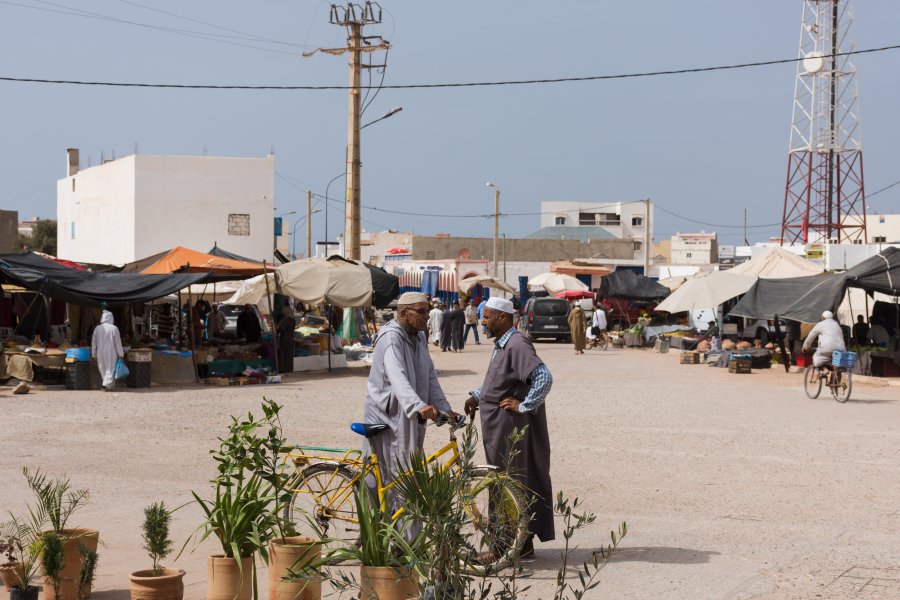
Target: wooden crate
[690, 358]
[661, 345]
[739, 365]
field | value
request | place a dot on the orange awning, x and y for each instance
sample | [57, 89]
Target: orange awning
[185, 260]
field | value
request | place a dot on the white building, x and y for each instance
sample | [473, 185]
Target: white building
[694, 249]
[140, 205]
[624, 220]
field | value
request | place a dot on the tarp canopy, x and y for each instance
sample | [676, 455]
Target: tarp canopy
[338, 281]
[555, 283]
[88, 288]
[706, 290]
[222, 253]
[777, 263]
[806, 298]
[466, 284]
[628, 284]
[180, 260]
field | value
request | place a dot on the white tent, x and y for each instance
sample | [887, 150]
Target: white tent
[316, 280]
[485, 280]
[252, 291]
[778, 263]
[555, 283]
[707, 291]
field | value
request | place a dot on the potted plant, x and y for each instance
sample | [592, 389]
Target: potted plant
[387, 558]
[22, 550]
[88, 571]
[157, 583]
[56, 503]
[53, 559]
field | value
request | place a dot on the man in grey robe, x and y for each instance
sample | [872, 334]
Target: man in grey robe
[402, 387]
[512, 396]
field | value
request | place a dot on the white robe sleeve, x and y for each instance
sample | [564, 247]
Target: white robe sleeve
[395, 370]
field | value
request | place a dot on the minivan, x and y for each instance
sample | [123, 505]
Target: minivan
[546, 318]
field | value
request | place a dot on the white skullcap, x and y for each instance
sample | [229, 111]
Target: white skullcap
[500, 304]
[827, 315]
[412, 298]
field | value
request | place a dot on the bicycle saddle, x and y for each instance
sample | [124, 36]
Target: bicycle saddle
[368, 429]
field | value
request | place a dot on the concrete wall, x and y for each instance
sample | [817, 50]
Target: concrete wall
[690, 249]
[518, 250]
[9, 230]
[137, 206]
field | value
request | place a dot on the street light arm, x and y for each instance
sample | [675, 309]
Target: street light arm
[389, 113]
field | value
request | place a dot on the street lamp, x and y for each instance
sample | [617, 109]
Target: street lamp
[389, 113]
[496, 221]
[294, 231]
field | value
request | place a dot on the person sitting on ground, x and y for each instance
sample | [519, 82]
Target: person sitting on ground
[831, 339]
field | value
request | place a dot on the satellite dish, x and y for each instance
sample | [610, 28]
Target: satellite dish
[814, 62]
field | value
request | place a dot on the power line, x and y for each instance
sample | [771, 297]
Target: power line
[885, 188]
[421, 85]
[718, 225]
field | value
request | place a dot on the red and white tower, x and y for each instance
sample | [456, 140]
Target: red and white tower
[824, 198]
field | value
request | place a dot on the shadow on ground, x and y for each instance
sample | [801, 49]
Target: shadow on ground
[545, 560]
[111, 595]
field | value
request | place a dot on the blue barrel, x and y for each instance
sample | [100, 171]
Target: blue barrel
[79, 354]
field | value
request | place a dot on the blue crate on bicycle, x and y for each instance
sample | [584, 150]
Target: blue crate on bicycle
[843, 359]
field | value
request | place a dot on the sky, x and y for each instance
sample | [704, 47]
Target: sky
[704, 147]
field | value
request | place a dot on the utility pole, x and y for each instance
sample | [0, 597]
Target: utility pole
[647, 241]
[496, 226]
[308, 224]
[746, 243]
[354, 17]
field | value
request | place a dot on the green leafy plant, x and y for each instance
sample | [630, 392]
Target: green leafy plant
[56, 501]
[156, 533]
[88, 571]
[23, 548]
[52, 559]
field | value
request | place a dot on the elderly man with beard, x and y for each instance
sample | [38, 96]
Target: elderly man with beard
[402, 387]
[512, 397]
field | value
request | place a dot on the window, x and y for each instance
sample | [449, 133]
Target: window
[637, 221]
[687, 255]
[73, 184]
[560, 220]
[73, 230]
[238, 224]
[429, 255]
[880, 239]
[638, 246]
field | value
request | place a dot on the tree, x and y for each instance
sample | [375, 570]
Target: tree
[42, 238]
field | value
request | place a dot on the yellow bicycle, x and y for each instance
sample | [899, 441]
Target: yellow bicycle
[322, 503]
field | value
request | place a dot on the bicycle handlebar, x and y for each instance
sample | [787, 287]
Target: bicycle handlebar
[445, 418]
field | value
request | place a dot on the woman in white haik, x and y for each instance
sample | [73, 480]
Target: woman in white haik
[106, 347]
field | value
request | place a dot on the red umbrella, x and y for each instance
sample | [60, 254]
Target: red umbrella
[575, 294]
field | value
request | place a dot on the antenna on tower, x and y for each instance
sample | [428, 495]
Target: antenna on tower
[824, 200]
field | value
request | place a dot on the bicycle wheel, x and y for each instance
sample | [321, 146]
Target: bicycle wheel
[604, 341]
[841, 385]
[498, 521]
[812, 383]
[322, 504]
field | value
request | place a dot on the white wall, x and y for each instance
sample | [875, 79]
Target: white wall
[186, 200]
[101, 206]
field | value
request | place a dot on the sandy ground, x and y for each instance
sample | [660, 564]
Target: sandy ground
[733, 486]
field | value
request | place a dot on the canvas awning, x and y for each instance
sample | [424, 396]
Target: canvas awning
[555, 283]
[466, 284]
[778, 263]
[628, 284]
[706, 290]
[338, 281]
[185, 260]
[88, 288]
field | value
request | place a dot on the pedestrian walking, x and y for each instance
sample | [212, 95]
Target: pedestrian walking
[576, 328]
[446, 330]
[513, 396]
[471, 314]
[481, 306]
[435, 321]
[457, 322]
[106, 347]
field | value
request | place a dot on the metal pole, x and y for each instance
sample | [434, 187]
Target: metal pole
[309, 224]
[647, 241]
[496, 226]
[272, 313]
[504, 258]
[351, 224]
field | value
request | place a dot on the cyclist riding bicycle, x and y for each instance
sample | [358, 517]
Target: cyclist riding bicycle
[831, 339]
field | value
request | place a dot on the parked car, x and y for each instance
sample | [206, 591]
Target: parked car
[546, 318]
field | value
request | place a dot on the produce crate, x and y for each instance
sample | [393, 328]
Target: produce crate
[805, 359]
[138, 374]
[690, 358]
[139, 356]
[739, 365]
[78, 376]
[843, 359]
[661, 345]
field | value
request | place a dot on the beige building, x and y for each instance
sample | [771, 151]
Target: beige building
[694, 249]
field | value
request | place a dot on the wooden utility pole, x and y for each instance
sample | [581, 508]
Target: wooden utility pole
[354, 17]
[308, 224]
[496, 226]
[647, 240]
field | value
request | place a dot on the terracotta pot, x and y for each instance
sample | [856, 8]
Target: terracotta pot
[12, 574]
[224, 581]
[387, 583]
[292, 553]
[157, 585]
[72, 563]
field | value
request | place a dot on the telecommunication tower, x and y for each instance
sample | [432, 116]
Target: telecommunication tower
[824, 200]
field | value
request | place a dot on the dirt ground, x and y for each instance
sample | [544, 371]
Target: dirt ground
[733, 486]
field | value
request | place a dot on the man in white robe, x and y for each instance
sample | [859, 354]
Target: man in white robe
[402, 386]
[435, 321]
[106, 347]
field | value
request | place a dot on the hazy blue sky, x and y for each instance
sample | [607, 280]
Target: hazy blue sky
[704, 146]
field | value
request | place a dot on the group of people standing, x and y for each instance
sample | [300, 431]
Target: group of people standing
[583, 334]
[449, 327]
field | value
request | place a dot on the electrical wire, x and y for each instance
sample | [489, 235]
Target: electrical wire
[413, 86]
[885, 188]
[380, 84]
[718, 225]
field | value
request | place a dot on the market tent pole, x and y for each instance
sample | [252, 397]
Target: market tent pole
[191, 333]
[180, 322]
[780, 338]
[328, 329]
[274, 328]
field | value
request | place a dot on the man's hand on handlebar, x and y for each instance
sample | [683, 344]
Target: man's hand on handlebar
[471, 406]
[428, 413]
